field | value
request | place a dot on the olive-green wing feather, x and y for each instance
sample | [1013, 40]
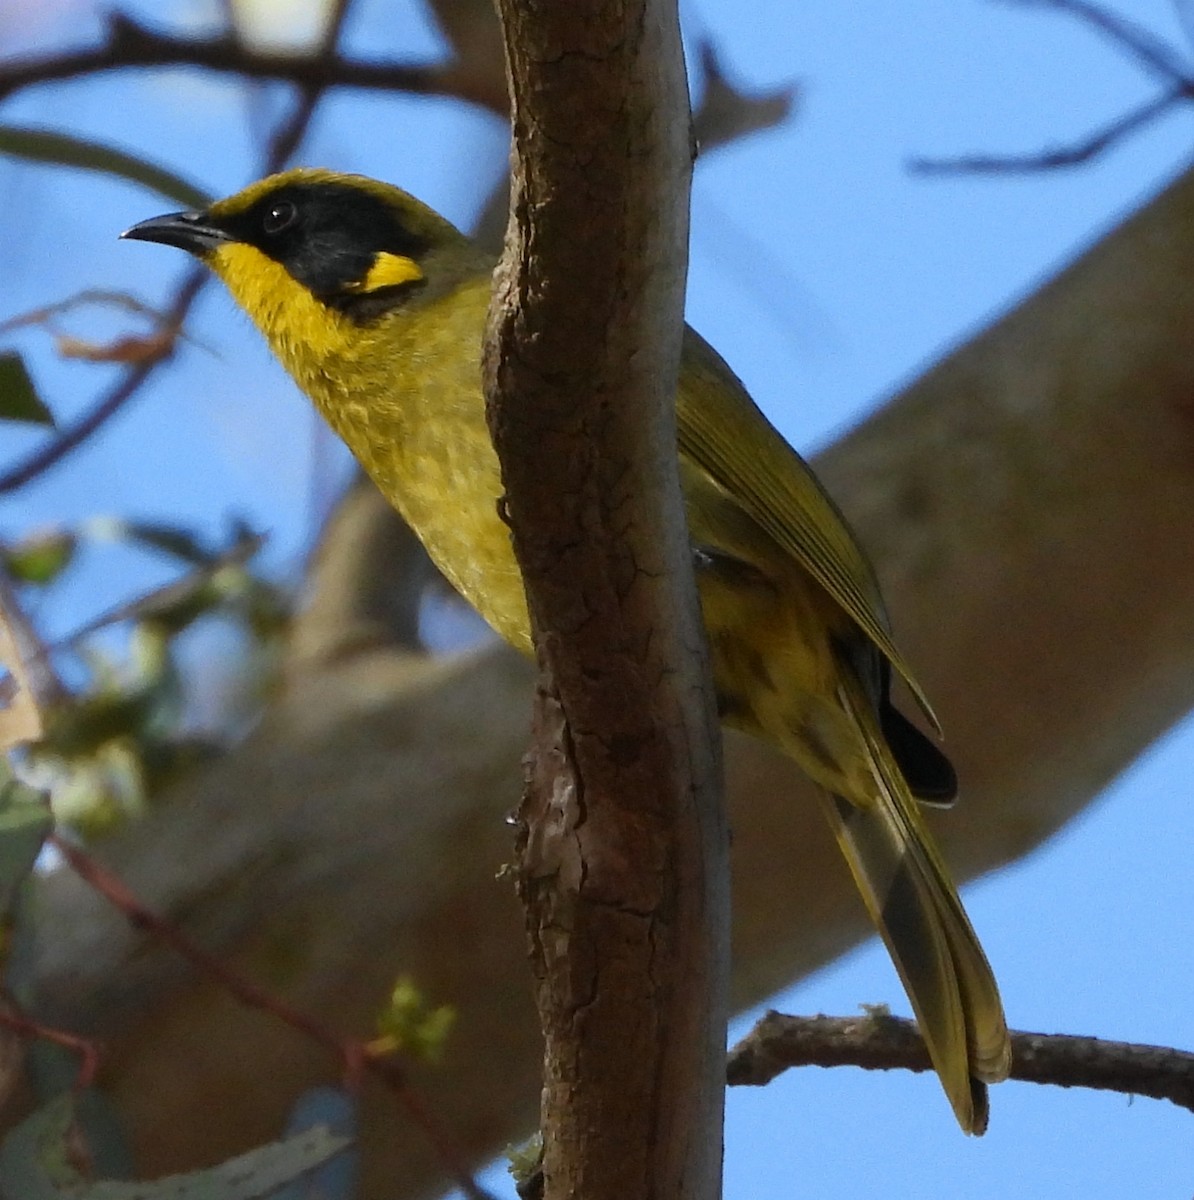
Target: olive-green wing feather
[721, 429]
[908, 892]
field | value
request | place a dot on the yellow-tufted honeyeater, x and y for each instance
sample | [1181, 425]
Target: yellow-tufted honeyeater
[376, 306]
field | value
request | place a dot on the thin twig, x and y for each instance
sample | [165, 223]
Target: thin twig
[154, 601]
[289, 134]
[880, 1042]
[130, 44]
[47, 314]
[282, 145]
[354, 1055]
[1153, 53]
[47, 456]
[1186, 16]
[88, 1051]
[117, 893]
[1062, 156]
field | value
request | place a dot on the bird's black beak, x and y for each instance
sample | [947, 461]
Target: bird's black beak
[190, 231]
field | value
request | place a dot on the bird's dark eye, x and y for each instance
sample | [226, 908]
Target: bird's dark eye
[279, 216]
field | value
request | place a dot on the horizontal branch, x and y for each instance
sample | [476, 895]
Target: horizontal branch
[130, 44]
[879, 1042]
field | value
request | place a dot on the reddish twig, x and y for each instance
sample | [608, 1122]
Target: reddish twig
[66, 440]
[354, 1055]
[88, 1051]
[880, 1042]
[116, 892]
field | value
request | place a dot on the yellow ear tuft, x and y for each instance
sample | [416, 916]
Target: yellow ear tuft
[388, 270]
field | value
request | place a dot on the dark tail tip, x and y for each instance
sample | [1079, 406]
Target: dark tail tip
[930, 775]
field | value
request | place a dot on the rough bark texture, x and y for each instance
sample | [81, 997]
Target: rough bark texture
[622, 848]
[1028, 505]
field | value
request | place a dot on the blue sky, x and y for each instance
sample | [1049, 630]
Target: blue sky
[827, 275]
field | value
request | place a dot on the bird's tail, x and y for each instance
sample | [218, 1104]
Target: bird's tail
[916, 908]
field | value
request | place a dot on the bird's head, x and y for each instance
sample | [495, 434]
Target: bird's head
[352, 245]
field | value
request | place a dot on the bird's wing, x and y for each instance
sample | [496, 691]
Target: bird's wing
[724, 433]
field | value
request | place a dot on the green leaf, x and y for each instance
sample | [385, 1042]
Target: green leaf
[52, 1069]
[25, 822]
[61, 149]
[526, 1162]
[39, 559]
[80, 729]
[19, 400]
[414, 1026]
[35, 1164]
[169, 539]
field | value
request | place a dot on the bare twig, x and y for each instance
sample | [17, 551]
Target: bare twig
[282, 145]
[1153, 54]
[289, 134]
[130, 44]
[47, 314]
[120, 897]
[47, 456]
[879, 1042]
[1150, 51]
[126, 349]
[1062, 156]
[87, 1050]
[155, 601]
[354, 1055]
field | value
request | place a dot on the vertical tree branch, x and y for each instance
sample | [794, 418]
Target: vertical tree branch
[623, 848]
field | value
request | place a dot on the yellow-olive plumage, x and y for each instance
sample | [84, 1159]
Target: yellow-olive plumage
[376, 306]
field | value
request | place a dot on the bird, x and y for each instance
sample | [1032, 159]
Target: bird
[376, 306]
